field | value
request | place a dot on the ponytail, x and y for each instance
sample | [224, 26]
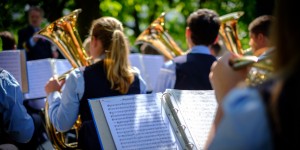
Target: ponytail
[117, 64]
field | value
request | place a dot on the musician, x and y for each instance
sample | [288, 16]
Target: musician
[266, 116]
[110, 76]
[16, 125]
[259, 31]
[190, 71]
[36, 48]
[37, 138]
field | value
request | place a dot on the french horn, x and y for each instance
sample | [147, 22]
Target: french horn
[63, 34]
[260, 66]
[157, 37]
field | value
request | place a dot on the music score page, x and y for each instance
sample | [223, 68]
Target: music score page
[139, 122]
[198, 108]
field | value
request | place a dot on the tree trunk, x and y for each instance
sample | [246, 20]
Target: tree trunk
[90, 12]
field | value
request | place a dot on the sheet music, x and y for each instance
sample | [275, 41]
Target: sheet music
[136, 60]
[39, 72]
[139, 122]
[198, 108]
[61, 66]
[10, 61]
[153, 63]
[149, 66]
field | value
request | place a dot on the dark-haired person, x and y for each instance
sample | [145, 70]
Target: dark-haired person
[8, 40]
[190, 71]
[266, 116]
[259, 31]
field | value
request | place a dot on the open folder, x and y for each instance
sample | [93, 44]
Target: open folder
[175, 119]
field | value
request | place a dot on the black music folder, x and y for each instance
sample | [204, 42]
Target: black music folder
[175, 119]
[14, 61]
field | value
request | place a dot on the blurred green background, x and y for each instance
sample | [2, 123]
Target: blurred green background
[136, 15]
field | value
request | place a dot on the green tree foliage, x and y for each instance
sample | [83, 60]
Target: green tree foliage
[136, 15]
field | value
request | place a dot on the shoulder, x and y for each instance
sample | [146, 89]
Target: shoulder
[76, 73]
[243, 101]
[180, 59]
[169, 65]
[25, 29]
[135, 70]
[5, 76]
[244, 117]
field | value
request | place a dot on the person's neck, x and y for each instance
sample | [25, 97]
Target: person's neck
[260, 51]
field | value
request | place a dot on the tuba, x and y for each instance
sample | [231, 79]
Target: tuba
[64, 35]
[261, 66]
[228, 32]
[159, 39]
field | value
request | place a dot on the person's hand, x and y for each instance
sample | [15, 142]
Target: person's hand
[223, 78]
[53, 85]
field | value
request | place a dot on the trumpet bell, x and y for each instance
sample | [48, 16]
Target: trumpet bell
[159, 39]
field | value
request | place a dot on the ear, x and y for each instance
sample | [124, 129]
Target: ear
[93, 41]
[260, 37]
[188, 32]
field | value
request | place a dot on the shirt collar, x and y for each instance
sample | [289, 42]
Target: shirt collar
[101, 57]
[200, 49]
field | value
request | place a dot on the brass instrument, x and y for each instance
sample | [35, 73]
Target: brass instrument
[228, 32]
[156, 36]
[64, 35]
[261, 66]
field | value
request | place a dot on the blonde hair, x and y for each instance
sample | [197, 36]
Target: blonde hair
[110, 31]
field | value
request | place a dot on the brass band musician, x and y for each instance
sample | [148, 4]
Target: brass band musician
[111, 75]
[190, 71]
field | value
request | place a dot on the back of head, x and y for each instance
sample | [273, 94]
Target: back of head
[8, 40]
[109, 31]
[204, 25]
[261, 24]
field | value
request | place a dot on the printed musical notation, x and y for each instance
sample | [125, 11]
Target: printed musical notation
[175, 119]
[40, 71]
[138, 122]
[198, 108]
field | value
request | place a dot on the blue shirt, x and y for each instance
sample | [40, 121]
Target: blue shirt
[167, 75]
[17, 123]
[64, 108]
[244, 125]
